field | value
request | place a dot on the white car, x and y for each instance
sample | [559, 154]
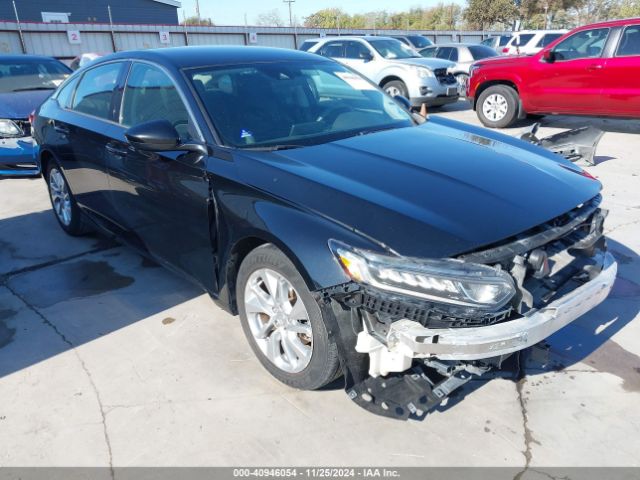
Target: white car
[398, 69]
[530, 42]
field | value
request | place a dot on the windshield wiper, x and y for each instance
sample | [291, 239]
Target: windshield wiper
[272, 148]
[32, 88]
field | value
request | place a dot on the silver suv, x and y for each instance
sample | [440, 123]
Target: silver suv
[398, 69]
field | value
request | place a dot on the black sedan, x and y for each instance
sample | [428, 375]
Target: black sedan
[351, 236]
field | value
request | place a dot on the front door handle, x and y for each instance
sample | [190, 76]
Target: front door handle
[115, 151]
[595, 66]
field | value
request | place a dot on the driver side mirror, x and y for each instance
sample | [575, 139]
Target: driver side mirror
[403, 101]
[160, 136]
[549, 56]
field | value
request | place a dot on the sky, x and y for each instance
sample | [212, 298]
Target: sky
[233, 13]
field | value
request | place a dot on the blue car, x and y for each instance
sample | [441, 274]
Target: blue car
[25, 82]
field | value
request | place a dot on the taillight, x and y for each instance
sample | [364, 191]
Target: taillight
[505, 50]
[32, 117]
[584, 173]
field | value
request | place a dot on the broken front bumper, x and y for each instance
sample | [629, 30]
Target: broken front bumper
[407, 339]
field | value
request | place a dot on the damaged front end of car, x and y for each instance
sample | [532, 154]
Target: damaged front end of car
[414, 330]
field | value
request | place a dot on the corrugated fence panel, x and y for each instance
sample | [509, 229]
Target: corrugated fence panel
[215, 39]
[471, 38]
[282, 41]
[56, 44]
[144, 40]
[10, 42]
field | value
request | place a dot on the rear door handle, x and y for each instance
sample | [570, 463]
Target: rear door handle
[114, 150]
[63, 129]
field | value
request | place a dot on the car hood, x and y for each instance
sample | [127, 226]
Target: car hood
[431, 63]
[17, 105]
[437, 190]
[504, 61]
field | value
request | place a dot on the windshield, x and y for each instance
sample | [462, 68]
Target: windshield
[392, 49]
[22, 75]
[419, 41]
[290, 104]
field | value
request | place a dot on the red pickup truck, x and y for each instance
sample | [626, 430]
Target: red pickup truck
[592, 70]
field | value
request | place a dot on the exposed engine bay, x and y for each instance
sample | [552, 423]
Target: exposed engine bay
[417, 351]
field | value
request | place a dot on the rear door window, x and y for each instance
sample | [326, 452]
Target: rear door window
[522, 39]
[548, 38]
[504, 40]
[333, 50]
[630, 42]
[356, 50]
[444, 53]
[94, 94]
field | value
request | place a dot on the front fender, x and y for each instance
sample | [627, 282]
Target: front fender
[302, 235]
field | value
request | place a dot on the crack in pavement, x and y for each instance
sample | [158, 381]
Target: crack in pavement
[622, 225]
[48, 323]
[528, 434]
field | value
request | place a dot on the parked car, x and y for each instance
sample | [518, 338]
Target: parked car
[463, 55]
[25, 82]
[84, 59]
[417, 42]
[497, 43]
[351, 236]
[530, 42]
[588, 71]
[398, 69]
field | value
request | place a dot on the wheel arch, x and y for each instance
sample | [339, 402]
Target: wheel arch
[302, 236]
[390, 78]
[491, 83]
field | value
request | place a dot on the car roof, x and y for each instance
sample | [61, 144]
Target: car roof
[187, 57]
[362, 37]
[453, 44]
[612, 23]
[539, 31]
[28, 58]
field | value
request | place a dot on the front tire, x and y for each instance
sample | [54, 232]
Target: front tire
[65, 208]
[283, 322]
[498, 106]
[395, 88]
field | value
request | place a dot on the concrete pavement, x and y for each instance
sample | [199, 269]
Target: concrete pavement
[109, 360]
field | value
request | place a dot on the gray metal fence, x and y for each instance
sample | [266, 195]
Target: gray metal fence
[67, 40]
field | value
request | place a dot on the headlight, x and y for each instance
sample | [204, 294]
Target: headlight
[9, 129]
[446, 281]
[422, 72]
[473, 70]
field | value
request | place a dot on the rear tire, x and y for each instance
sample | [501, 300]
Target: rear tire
[283, 322]
[498, 106]
[65, 208]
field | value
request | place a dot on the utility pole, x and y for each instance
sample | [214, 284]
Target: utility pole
[290, 13]
[198, 11]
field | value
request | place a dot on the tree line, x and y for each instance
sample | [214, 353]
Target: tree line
[477, 15]
[482, 15]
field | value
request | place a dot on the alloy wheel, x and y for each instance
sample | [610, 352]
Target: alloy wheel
[495, 107]
[60, 197]
[278, 320]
